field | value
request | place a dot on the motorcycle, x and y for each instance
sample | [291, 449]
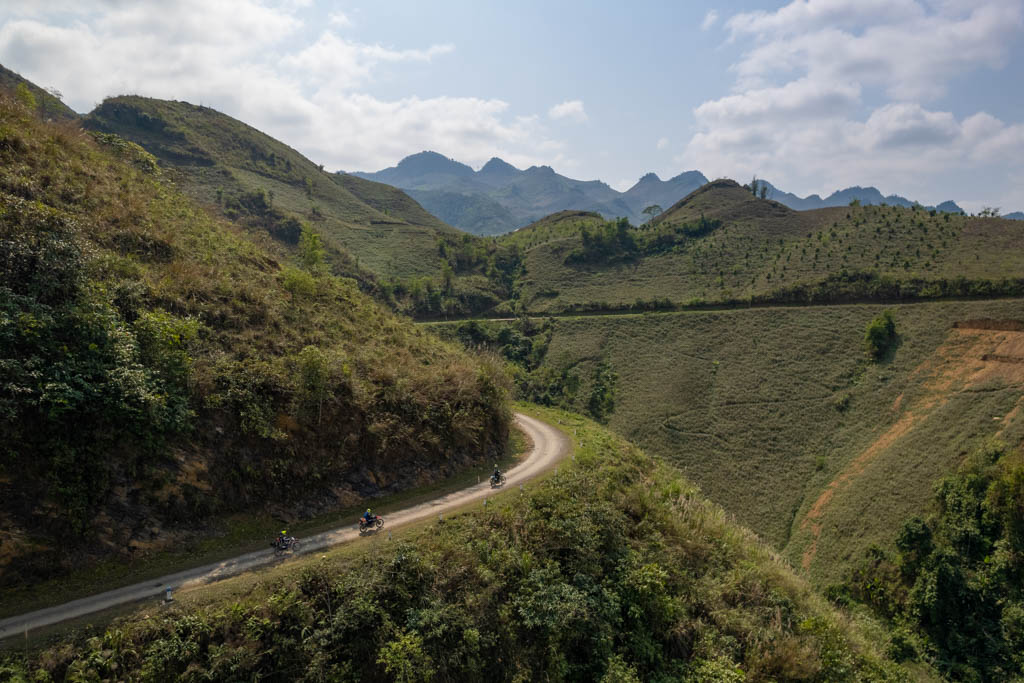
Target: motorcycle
[497, 481]
[283, 544]
[374, 524]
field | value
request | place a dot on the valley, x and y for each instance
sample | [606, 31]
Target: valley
[798, 424]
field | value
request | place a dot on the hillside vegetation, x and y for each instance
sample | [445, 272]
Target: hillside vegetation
[612, 569]
[370, 231]
[221, 161]
[761, 251]
[779, 414]
[45, 103]
[159, 368]
[954, 586]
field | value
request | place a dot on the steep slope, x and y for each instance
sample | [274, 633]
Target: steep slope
[391, 202]
[160, 368]
[612, 569]
[48, 106]
[778, 415]
[224, 163]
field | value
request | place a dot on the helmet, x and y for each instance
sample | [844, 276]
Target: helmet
[367, 510]
[284, 532]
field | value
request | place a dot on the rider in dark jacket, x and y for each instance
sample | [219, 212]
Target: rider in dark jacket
[367, 516]
[497, 473]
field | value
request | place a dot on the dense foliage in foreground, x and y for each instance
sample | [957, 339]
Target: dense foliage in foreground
[158, 366]
[612, 569]
[955, 588]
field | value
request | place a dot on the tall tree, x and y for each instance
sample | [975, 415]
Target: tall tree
[651, 211]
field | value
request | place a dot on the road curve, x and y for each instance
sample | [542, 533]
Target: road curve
[549, 446]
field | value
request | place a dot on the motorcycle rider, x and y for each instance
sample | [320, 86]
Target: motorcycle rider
[496, 477]
[367, 517]
[282, 540]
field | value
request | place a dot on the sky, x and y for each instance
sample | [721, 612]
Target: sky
[920, 98]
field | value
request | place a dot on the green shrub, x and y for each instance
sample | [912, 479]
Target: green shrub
[955, 588]
[880, 335]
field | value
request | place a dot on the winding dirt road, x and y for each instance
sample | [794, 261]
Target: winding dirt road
[549, 446]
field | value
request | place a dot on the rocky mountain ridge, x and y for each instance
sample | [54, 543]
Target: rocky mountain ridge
[500, 198]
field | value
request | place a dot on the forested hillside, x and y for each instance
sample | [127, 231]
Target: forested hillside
[160, 367]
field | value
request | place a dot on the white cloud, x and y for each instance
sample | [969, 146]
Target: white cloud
[709, 20]
[339, 19]
[895, 44]
[799, 99]
[662, 143]
[832, 93]
[245, 58]
[332, 62]
[570, 109]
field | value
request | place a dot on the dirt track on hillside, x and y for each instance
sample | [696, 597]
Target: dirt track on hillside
[975, 352]
[549, 445]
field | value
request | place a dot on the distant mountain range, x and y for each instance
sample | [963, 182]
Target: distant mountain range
[865, 195]
[500, 198]
[1016, 215]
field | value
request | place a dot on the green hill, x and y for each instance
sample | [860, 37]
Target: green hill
[612, 569]
[372, 232]
[161, 368]
[778, 414]
[46, 104]
[756, 249]
[221, 161]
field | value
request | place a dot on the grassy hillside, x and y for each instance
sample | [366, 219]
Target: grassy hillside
[44, 102]
[780, 416]
[612, 569]
[218, 160]
[159, 368]
[759, 248]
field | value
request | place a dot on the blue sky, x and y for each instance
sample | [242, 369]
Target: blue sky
[917, 97]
